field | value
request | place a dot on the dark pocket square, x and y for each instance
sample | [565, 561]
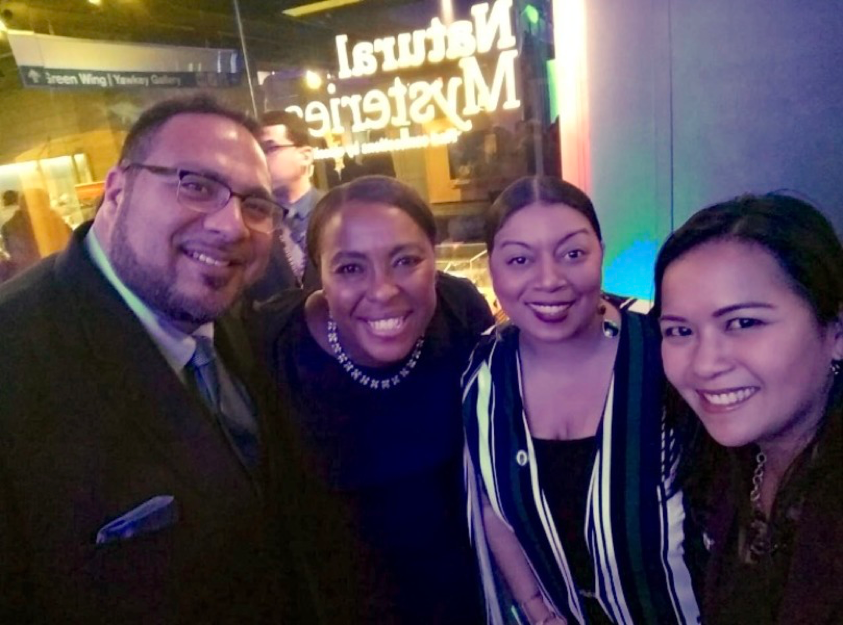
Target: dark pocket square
[153, 514]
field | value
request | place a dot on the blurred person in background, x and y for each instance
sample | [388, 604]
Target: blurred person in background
[17, 238]
[285, 140]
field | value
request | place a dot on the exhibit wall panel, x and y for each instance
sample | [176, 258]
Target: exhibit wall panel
[758, 101]
[696, 102]
[629, 75]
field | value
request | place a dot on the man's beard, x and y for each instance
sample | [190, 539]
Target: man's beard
[157, 290]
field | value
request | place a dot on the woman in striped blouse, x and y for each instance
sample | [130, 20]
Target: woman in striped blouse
[570, 467]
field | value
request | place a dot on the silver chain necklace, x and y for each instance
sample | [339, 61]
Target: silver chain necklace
[757, 540]
[367, 380]
[758, 478]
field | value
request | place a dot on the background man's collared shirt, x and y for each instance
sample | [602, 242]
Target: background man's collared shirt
[303, 206]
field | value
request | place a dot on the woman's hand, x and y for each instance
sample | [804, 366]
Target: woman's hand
[539, 613]
[516, 570]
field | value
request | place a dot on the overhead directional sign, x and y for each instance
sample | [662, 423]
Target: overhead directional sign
[64, 62]
[52, 77]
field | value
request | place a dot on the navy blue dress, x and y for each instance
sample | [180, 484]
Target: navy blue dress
[392, 458]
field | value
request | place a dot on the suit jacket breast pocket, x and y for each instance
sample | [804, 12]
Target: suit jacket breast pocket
[134, 580]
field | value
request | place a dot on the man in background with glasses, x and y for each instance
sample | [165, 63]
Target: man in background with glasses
[285, 140]
[131, 408]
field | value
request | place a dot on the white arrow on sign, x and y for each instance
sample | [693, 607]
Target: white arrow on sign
[34, 76]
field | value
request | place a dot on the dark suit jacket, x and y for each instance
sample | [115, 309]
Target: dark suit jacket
[279, 275]
[93, 422]
[813, 592]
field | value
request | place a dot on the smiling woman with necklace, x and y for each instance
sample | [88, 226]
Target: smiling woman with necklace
[573, 511]
[370, 367]
[749, 296]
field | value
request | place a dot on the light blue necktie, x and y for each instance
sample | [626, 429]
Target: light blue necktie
[235, 413]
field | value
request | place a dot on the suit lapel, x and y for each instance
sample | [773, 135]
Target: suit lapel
[233, 346]
[135, 383]
[231, 341]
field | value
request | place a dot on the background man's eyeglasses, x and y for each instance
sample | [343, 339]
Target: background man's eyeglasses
[207, 195]
[274, 148]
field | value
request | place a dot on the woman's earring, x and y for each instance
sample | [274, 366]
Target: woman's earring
[835, 367]
[610, 329]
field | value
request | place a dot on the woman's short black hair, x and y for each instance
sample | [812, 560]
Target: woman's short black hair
[368, 190]
[536, 190]
[797, 235]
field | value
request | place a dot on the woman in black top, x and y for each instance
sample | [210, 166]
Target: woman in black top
[370, 366]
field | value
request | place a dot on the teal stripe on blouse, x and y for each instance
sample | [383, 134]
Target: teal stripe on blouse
[634, 389]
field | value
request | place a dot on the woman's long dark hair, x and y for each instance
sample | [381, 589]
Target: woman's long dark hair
[808, 250]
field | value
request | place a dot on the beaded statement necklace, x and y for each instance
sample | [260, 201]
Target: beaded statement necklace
[368, 380]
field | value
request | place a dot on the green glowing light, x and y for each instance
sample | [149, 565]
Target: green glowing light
[531, 14]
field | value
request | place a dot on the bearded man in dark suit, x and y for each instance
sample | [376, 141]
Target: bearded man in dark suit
[129, 491]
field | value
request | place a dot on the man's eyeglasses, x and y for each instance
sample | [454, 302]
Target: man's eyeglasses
[207, 195]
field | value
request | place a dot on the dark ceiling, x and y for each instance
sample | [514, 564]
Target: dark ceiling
[205, 23]
[274, 40]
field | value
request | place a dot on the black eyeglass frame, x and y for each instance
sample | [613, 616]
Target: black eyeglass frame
[254, 221]
[275, 148]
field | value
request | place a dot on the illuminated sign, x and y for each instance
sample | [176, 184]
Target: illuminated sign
[404, 142]
[456, 98]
